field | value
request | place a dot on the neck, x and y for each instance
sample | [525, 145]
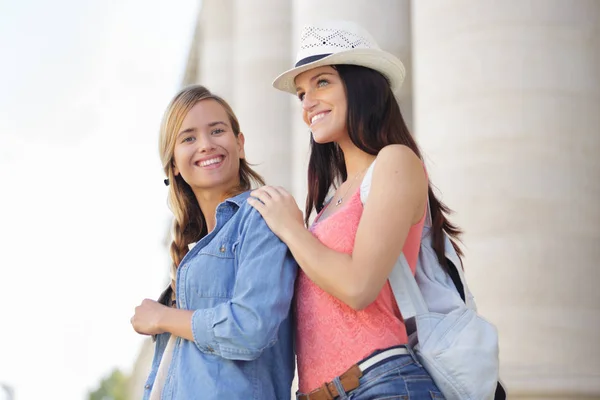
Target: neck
[208, 201]
[356, 160]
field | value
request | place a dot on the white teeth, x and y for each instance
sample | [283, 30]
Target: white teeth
[206, 163]
[317, 117]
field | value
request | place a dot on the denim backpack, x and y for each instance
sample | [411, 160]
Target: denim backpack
[456, 346]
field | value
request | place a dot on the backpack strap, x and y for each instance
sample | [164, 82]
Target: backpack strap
[408, 296]
[455, 269]
[456, 265]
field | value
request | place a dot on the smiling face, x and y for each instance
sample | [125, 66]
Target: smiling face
[324, 103]
[207, 152]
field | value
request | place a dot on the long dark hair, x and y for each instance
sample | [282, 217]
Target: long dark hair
[374, 121]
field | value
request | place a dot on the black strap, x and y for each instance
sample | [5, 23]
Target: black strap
[456, 279]
[500, 392]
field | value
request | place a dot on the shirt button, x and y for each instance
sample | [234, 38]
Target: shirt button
[147, 387]
[222, 249]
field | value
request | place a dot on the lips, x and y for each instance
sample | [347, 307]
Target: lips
[207, 162]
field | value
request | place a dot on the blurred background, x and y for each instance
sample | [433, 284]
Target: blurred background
[502, 96]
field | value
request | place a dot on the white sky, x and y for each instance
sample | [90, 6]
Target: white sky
[83, 85]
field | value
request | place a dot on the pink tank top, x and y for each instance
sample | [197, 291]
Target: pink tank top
[332, 336]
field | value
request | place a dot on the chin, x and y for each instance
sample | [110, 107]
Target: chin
[327, 133]
[323, 137]
[321, 140]
[208, 183]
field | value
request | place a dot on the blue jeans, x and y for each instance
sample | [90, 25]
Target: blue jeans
[400, 377]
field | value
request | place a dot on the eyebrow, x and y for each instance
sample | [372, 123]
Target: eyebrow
[188, 130]
[314, 78]
[210, 125]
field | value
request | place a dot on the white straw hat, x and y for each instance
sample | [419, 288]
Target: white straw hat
[340, 42]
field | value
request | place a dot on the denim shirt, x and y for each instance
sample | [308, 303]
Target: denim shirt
[239, 280]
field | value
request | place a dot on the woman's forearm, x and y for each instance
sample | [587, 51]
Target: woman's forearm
[332, 271]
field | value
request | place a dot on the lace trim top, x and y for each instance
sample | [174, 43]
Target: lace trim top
[332, 336]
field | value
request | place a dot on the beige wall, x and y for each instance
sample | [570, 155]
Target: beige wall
[216, 47]
[261, 39]
[507, 106]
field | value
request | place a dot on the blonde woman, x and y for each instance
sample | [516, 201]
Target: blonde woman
[228, 335]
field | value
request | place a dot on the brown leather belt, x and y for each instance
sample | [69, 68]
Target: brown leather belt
[328, 391]
[350, 378]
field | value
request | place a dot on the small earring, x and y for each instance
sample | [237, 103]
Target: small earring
[166, 181]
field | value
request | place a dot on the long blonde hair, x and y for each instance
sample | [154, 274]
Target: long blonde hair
[189, 224]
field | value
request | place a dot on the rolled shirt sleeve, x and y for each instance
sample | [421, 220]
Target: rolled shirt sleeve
[244, 326]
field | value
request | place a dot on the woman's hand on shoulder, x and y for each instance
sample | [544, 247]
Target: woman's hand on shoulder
[278, 208]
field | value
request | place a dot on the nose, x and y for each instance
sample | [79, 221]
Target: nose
[205, 143]
[309, 102]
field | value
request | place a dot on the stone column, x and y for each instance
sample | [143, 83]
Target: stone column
[261, 52]
[388, 22]
[192, 66]
[216, 24]
[507, 106]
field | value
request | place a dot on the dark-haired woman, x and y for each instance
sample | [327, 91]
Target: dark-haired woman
[351, 338]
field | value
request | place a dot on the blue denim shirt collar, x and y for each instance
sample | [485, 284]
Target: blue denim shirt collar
[239, 199]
